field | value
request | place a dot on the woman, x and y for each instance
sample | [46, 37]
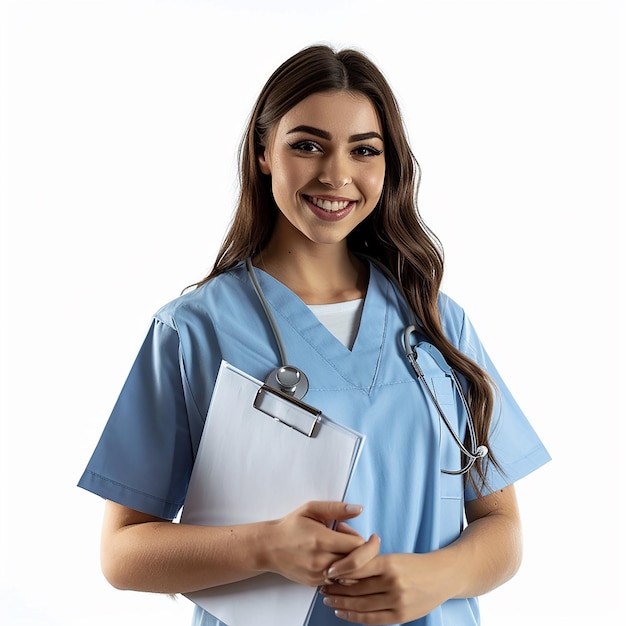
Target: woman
[327, 214]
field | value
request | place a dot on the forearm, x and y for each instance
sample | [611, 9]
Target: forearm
[145, 553]
[488, 552]
[179, 558]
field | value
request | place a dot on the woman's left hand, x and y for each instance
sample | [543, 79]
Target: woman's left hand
[390, 589]
[370, 588]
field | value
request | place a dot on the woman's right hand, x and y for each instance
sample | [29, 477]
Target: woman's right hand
[302, 545]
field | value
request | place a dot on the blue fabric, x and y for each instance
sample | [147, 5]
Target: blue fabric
[146, 452]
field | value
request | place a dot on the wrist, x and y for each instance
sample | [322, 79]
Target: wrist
[261, 548]
[449, 565]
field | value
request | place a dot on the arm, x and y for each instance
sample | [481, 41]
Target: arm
[146, 553]
[489, 551]
[396, 588]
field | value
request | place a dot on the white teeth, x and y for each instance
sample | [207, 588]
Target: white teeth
[327, 205]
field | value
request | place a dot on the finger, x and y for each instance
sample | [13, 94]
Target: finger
[353, 588]
[365, 605]
[331, 511]
[370, 607]
[351, 567]
[374, 617]
[342, 527]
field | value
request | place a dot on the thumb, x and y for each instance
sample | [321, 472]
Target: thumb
[330, 511]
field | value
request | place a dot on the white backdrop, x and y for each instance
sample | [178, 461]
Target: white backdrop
[120, 121]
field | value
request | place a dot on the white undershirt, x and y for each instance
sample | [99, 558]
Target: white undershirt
[342, 319]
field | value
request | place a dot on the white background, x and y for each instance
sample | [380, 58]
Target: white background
[120, 122]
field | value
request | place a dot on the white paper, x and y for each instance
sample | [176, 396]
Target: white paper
[250, 468]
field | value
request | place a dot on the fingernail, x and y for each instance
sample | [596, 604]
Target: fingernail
[353, 508]
[331, 573]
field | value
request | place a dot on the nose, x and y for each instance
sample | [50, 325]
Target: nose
[336, 172]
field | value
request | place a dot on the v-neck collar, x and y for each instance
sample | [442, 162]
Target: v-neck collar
[356, 367]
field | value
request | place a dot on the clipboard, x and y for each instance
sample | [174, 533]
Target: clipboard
[263, 454]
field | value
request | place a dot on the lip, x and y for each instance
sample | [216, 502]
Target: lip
[329, 216]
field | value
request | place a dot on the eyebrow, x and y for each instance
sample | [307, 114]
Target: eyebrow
[323, 134]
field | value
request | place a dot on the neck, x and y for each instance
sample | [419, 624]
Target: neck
[316, 273]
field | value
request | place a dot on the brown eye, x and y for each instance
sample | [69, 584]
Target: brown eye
[305, 146]
[366, 151]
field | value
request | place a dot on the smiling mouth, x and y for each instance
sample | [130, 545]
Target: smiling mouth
[331, 206]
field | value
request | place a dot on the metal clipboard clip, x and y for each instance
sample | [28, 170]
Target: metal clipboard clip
[288, 410]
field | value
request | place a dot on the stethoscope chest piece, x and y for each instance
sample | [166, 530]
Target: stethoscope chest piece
[289, 380]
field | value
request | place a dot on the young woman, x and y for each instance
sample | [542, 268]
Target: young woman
[327, 214]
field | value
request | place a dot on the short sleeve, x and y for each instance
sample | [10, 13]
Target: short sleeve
[144, 457]
[512, 440]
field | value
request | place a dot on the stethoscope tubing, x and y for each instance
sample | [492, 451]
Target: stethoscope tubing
[268, 313]
[480, 451]
[411, 354]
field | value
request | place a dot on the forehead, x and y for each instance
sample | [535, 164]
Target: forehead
[337, 112]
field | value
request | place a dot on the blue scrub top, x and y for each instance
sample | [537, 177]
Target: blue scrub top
[146, 452]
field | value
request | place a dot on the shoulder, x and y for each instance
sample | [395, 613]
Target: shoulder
[454, 322]
[222, 293]
[451, 312]
[459, 329]
[453, 318]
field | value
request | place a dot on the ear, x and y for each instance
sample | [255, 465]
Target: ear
[264, 163]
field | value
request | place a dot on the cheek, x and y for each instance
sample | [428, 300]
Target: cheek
[375, 181]
[283, 178]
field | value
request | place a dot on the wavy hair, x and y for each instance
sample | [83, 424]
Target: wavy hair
[394, 233]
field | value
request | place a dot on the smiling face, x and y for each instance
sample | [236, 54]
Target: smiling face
[327, 166]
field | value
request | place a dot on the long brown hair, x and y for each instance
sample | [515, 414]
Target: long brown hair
[394, 233]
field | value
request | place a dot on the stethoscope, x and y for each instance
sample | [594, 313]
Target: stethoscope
[293, 382]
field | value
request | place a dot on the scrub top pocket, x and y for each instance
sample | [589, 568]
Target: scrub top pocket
[451, 487]
[443, 389]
